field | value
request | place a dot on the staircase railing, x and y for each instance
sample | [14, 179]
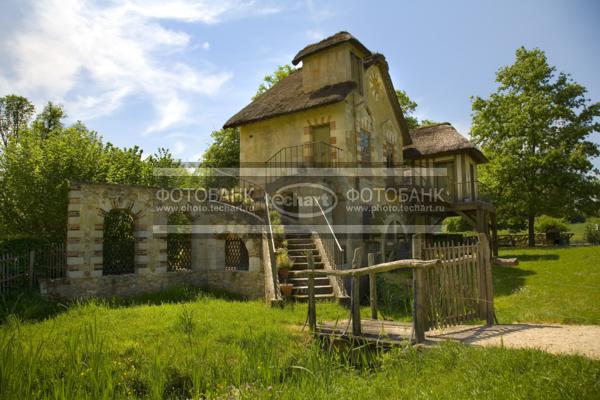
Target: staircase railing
[332, 247]
[272, 250]
[288, 160]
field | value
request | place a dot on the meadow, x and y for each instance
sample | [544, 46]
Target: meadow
[187, 343]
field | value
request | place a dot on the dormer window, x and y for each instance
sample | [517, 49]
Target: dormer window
[357, 72]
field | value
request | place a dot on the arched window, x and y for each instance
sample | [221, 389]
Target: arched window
[179, 243]
[236, 254]
[118, 249]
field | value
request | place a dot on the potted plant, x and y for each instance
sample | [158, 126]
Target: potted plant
[286, 289]
[284, 264]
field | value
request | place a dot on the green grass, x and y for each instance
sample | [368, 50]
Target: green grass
[220, 348]
[186, 343]
[579, 228]
[560, 285]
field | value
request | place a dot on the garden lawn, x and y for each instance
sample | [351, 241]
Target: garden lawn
[209, 347]
[559, 285]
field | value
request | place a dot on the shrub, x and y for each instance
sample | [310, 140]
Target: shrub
[545, 224]
[592, 234]
[456, 224]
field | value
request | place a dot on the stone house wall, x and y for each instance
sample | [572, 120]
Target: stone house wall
[85, 277]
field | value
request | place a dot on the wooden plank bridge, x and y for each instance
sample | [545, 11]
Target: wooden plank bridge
[452, 286]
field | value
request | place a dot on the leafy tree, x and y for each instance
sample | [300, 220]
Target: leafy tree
[224, 152]
[535, 129]
[38, 170]
[49, 120]
[36, 177]
[15, 114]
[270, 80]
[408, 109]
[456, 224]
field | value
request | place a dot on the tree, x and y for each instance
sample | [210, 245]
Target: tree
[38, 170]
[535, 129]
[49, 120]
[224, 152]
[15, 114]
[269, 81]
[408, 109]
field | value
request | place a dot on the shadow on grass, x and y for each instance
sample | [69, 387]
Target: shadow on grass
[507, 280]
[29, 305]
[535, 257]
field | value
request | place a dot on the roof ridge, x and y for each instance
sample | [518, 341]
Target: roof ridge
[431, 126]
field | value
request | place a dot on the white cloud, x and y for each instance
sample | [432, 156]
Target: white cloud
[206, 45]
[91, 56]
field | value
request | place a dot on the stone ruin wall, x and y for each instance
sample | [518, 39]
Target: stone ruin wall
[88, 203]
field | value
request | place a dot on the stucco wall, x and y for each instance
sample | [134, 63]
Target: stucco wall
[261, 140]
[88, 204]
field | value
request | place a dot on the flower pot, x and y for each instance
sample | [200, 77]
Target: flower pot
[283, 274]
[286, 289]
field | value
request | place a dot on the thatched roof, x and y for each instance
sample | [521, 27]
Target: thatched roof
[440, 139]
[326, 43]
[286, 97]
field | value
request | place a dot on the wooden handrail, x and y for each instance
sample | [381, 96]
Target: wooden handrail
[384, 267]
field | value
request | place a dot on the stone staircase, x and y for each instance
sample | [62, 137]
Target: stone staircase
[299, 244]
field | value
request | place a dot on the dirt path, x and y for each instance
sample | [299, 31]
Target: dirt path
[557, 339]
[553, 338]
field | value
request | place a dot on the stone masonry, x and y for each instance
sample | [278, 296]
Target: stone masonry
[89, 203]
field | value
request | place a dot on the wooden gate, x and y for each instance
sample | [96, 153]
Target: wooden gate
[458, 289]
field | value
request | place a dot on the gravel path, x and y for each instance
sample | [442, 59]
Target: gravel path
[557, 339]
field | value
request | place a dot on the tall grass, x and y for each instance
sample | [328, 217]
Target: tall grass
[211, 347]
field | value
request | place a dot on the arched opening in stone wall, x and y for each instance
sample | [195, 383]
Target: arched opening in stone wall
[179, 242]
[118, 249]
[398, 244]
[236, 254]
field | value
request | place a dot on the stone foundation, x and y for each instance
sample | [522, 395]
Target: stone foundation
[243, 283]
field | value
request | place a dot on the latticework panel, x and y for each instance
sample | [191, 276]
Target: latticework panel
[236, 255]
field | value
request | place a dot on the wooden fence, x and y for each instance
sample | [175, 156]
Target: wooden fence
[452, 284]
[459, 289]
[24, 269]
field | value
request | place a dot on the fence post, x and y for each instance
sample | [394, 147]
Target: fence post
[372, 287]
[355, 299]
[31, 261]
[312, 308]
[487, 278]
[419, 306]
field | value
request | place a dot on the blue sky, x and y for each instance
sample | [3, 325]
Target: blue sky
[167, 73]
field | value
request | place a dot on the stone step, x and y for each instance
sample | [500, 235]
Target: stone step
[301, 247]
[302, 252]
[299, 241]
[295, 271]
[321, 280]
[303, 266]
[322, 289]
[317, 296]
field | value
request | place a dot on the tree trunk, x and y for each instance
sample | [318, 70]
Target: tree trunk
[531, 221]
